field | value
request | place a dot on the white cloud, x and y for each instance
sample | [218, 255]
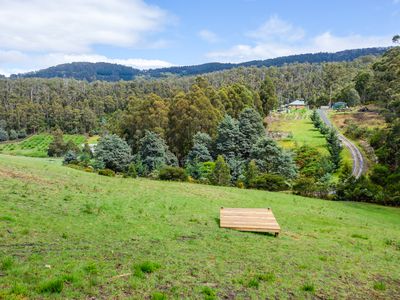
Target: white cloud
[277, 29]
[328, 42]
[278, 38]
[76, 25]
[36, 34]
[208, 36]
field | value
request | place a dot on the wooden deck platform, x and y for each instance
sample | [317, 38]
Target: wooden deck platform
[249, 219]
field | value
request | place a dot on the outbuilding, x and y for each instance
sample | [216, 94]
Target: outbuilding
[339, 105]
[297, 104]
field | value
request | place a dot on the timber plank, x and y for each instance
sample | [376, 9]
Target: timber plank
[249, 219]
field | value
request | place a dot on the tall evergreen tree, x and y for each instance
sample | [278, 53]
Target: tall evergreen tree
[270, 158]
[228, 135]
[147, 113]
[268, 95]
[200, 150]
[190, 113]
[251, 130]
[334, 147]
[154, 153]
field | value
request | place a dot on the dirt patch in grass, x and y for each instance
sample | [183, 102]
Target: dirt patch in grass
[24, 177]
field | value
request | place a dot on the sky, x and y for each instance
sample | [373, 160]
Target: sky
[36, 34]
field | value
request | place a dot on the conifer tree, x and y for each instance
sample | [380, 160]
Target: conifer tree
[200, 150]
[228, 135]
[114, 153]
[270, 158]
[154, 153]
[251, 130]
[221, 173]
[57, 147]
[334, 147]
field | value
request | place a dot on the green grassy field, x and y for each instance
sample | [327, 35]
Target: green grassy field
[303, 132]
[67, 234]
[301, 128]
[36, 145]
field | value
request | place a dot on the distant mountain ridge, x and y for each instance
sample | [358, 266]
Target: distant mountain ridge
[115, 72]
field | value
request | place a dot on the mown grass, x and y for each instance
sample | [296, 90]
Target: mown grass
[161, 240]
[302, 130]
[36, 145]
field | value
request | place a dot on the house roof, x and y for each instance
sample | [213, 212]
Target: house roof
[297, 102]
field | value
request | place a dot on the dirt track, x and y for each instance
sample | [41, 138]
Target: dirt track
[358, 159]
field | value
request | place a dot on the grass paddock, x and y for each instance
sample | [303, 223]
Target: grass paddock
[69, 234]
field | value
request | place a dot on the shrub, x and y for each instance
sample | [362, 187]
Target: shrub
[70, 158]
[311, 163]
[13, 134]
[380, 174]
[57, 146]
[324, 129]
[22, 134]
[354, 131]
[131, 171]
[3, 135]
[251, 172]
[270, 158]
[89, 169]
[114, 152]
[172, 173]
[107, 172]
[97, 164]
[304, 186]
[220, 175]
[86, 150]
[71, 146]
[269, 182]
[361, 189]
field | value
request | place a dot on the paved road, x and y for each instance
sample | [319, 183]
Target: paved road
[358, 160]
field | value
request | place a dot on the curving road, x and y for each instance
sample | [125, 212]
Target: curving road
[358, 159]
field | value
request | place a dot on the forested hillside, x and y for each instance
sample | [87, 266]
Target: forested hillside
[115, 72]
[168, 114]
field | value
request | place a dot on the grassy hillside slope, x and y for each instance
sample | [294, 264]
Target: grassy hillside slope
[36, 145]
[67, 234]
[302, 132]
